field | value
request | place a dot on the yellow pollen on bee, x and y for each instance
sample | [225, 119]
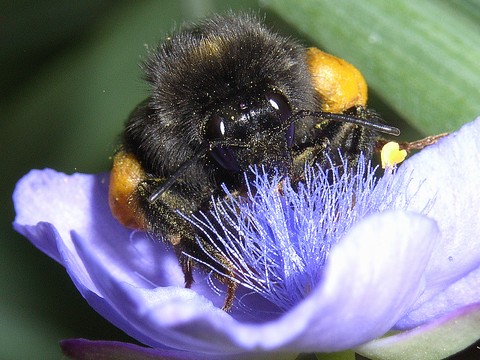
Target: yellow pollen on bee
[339, 84]
[391, 155]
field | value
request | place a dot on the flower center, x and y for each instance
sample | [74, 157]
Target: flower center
[284, 231]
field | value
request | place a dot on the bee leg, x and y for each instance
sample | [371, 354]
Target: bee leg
[187, 267]
[184, 240]
[227, 277]
[167, 223]
[231, 289]
[185, 262]
[224, 270]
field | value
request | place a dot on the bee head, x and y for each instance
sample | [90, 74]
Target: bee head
[251, 131]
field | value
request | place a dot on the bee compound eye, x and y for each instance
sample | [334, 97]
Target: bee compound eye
[281, 106]
[215, 128]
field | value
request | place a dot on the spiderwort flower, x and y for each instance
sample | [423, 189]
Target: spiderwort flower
[404, 258]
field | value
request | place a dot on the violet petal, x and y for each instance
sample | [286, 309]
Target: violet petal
[179, 318]
[182, 318]
[372, 277]
[448, 173]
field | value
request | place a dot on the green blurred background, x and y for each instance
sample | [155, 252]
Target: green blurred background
[69, 78]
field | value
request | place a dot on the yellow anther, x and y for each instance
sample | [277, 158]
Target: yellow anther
[391, 155]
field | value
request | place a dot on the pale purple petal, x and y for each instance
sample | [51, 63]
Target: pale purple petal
[460, 293]
[178, 318]
[448, 173]
[135, 287]
[355, 302]
[79, 203]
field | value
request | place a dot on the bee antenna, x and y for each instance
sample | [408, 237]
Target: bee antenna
[383, 128]
[179, 172]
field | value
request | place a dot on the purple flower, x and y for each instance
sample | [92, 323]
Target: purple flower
[405, 257]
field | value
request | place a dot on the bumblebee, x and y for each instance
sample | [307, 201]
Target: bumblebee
[228, 93]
